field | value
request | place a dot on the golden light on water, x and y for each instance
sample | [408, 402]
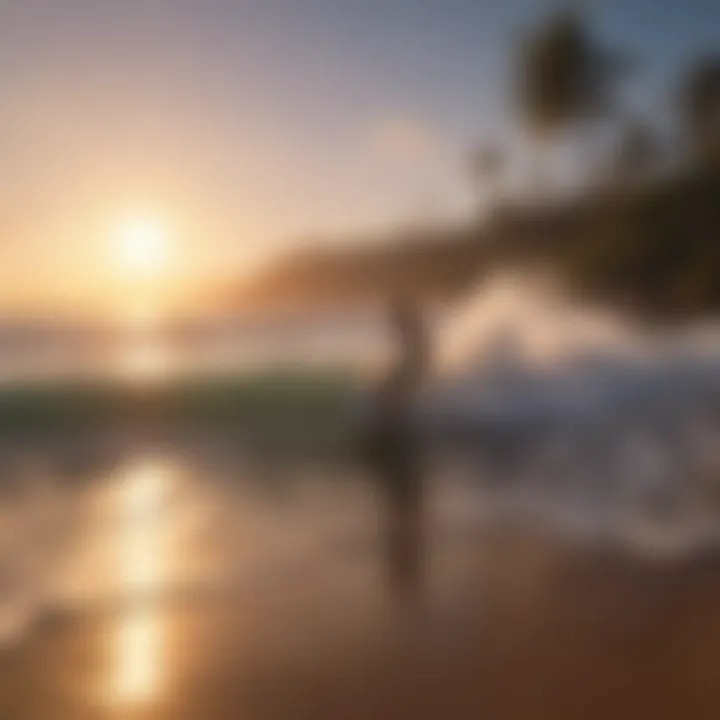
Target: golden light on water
[142, 355]
[145, 361]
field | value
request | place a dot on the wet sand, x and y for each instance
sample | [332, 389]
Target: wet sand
[510, 621]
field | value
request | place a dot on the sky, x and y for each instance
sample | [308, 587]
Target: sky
[244, 127]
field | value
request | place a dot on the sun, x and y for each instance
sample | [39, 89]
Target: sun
[142, 248]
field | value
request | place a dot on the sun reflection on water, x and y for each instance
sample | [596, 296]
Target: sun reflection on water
[144, 360]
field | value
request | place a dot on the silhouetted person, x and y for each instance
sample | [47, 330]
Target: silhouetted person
[395, 446]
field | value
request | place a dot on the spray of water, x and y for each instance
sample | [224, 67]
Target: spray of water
[577, 414]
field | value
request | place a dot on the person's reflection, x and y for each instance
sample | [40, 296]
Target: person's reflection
[395, 449]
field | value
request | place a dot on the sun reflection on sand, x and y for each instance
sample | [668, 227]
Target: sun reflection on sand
[139, 640]
[138, 671]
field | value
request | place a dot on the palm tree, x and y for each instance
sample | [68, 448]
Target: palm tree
[700, 108]
[566, 79]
